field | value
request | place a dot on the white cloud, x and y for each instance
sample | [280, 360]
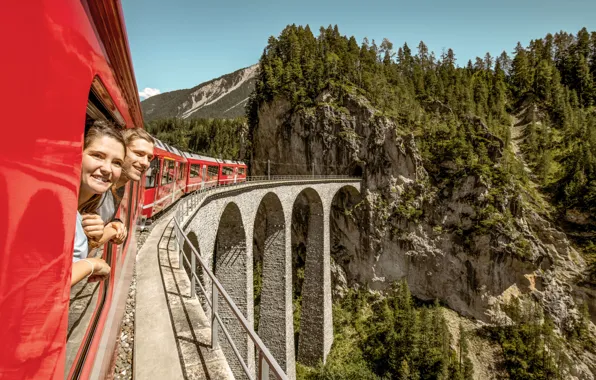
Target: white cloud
[148, 92]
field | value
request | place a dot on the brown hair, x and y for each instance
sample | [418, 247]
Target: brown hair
[131, 134]
[100, 128]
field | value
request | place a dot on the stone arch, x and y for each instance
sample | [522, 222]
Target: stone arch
[230, 268]
[345, 236]
[192, 236]
[271, 259]
[310, 232]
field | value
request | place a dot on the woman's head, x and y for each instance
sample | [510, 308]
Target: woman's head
[104, 151]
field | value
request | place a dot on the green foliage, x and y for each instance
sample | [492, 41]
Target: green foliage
[388, 338]
[220, 138]
[554, 77]
[531, 349]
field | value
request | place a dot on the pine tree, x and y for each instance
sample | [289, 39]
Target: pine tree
[404, 371]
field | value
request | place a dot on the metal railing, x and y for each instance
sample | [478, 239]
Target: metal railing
[266, 362]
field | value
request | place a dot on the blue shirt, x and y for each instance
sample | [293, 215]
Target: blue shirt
[81, 249]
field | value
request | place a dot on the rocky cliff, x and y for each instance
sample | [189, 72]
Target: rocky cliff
[438, 232]
[222, 97]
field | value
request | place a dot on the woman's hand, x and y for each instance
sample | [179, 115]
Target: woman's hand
[101, 270]
[93, 226]
[109, 232]
[121, 231]
[83, 268]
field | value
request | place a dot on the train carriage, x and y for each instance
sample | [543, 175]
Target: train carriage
[164, 181]
[72, 58]
[202, 171]
[231, 172]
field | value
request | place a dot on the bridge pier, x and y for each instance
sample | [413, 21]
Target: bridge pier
[233, 272]
[316, 324]
[275, 327]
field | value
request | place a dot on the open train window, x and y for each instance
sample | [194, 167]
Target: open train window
[171, 169]
[227, 170]
[151, 175]
[164, 173]
[87, 299]
[195, 170]
[241, 171]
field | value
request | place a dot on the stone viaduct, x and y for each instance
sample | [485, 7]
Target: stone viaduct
[222, 226]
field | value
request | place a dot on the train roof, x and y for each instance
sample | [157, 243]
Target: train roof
[168, 148]
[210, 159]
[161, 145]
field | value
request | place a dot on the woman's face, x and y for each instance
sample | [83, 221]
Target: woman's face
[102, 165]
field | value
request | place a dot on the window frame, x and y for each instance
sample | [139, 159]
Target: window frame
[154, 173]
[196, 167]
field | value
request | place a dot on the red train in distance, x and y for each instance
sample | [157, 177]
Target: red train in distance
[173, 174]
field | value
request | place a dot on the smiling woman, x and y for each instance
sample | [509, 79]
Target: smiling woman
[103, 157]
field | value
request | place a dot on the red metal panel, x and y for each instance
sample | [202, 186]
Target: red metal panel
[54, 54]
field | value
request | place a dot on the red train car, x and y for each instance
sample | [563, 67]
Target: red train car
[165, 181]
[231, 172]
[174, 173]
[203, 172]
[70, 63]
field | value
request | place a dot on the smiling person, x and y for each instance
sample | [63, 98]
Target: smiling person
[139, 153]
[104, 151]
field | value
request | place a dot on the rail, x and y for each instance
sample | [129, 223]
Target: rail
[266, 362]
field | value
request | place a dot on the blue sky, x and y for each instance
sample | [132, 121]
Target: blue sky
[178, 44]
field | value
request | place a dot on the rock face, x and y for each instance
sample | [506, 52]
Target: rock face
[222, 97]
[410, 227]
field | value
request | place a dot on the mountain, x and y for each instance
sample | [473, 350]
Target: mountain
[223, 97]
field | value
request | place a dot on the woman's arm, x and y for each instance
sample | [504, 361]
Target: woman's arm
[85, 267]
[108, 233]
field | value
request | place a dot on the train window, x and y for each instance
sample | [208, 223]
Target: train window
[171, 170]
[168, 169]
[227, 170]
[164, 172]
[181, 171]
[212, 171]
[241, 171]
[195, 170]
[151, 175]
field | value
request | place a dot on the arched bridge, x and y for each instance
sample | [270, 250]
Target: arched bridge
[219, 231]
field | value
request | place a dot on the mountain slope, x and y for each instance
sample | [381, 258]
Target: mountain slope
[223, 97]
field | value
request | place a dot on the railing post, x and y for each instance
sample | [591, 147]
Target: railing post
[263, 367]
[214, 340]
[176, 239]
[269, 170]
[180, 246]
[193, 271]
